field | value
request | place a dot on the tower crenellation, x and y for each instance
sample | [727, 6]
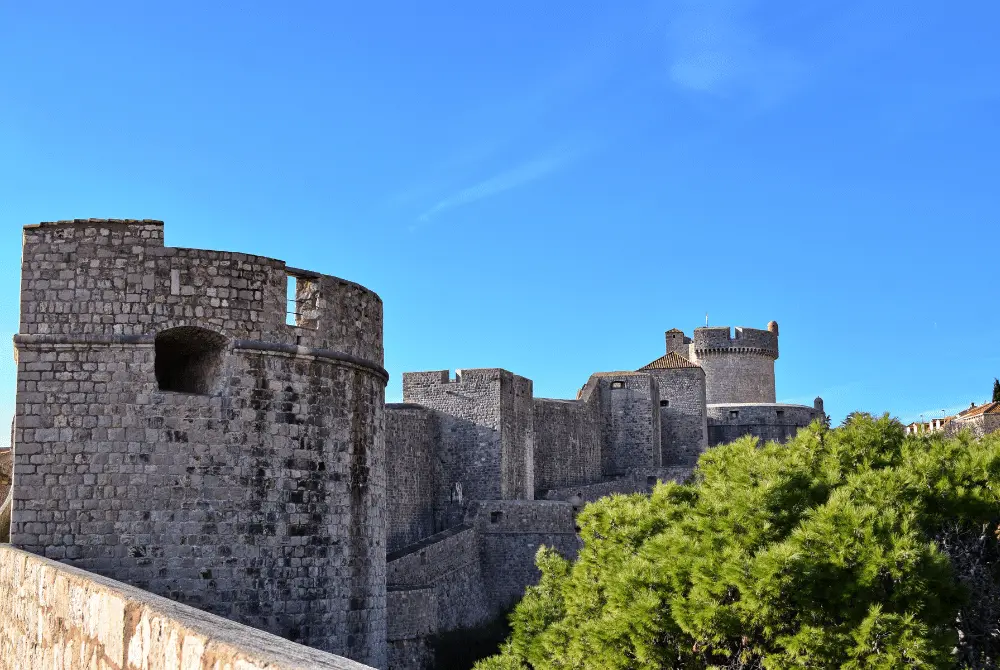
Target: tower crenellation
[246, 434]
[738, 362]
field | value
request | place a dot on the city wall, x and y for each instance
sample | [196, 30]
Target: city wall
[774, 421]
[55, 616]
[568, 439]
[6, 472]
[683, 420]
[486, 449]
[978, 426]
[173, 432]
[738, 363]
[638, 481]
[631, 424]
[412, 435]
[510, 534]
[433, 586]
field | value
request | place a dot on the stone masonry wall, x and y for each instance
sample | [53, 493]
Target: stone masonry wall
[738, 364]
[411, 439]
[56, 616]
[510, 534]
[631, 433]
[683, 422]
[477, 412]
[260, 494]
[6, 469]
[517, 458]
[738, 378]
[637, 481]
[6, 472]
[568, 440]
[979, 426]
[774, 421]
[412, 622]
[448, 563]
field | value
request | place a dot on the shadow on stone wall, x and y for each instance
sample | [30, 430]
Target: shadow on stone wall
[6, 492]
[460, 649]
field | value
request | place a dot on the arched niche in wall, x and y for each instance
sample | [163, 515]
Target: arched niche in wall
[188, 359]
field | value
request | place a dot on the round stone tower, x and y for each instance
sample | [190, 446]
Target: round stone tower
[738, 363]
[204, 437]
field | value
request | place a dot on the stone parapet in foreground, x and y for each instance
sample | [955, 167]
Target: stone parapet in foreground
[56, 616]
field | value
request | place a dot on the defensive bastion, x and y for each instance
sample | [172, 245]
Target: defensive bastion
[173, 432]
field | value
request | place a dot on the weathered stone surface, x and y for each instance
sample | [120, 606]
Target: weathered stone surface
[6, 470]
[772, 421]
[413, 432]
[568, 439]
[55, 616]
[449, 564]
[174, 432]
[739, 366]
[510, 534]
[486, 430]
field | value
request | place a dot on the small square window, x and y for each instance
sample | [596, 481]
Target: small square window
[781, 413]
[495, 517]
[617, 384]
[734, 414]
[664, 403]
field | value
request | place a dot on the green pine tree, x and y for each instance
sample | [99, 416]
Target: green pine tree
[856, 547]
[996, 390]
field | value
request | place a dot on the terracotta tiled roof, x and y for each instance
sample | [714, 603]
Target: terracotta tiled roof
[671, 361]
[620, 373]
[988, 408]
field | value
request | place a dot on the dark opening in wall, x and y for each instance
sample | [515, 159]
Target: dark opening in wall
[292, 309]
[781, 413]
[188, 359]
[302, 294]
[734, 414]
[664, 403]
[495, 517]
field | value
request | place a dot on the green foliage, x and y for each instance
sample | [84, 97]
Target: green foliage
[996, 390]
[844, 548]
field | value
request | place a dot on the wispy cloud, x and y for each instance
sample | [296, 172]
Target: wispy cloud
[541, 108]
[525, 173]
[715, 47]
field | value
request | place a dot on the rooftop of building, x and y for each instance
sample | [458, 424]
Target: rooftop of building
[992, 408]
[671, 361]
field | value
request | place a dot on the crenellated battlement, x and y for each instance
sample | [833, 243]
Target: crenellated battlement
[216, 414]
[116, 277]
[723, 339]
[738, 362]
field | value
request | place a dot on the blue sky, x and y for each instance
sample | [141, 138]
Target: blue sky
[547, 187]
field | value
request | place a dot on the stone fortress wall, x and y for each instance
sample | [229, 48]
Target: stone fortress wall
[172, 432]
[56, 616]
[6, 473]
[767, 421]
[180, 428]
[739, 365]
[459, 475]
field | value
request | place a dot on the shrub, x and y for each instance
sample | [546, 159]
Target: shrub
[856, 547]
